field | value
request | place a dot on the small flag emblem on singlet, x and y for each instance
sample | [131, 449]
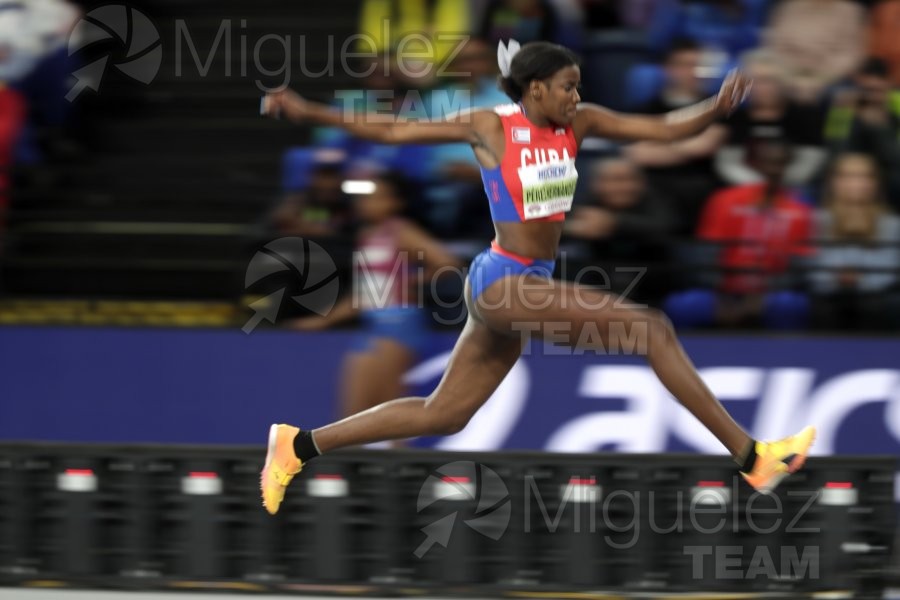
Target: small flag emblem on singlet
[521, 135]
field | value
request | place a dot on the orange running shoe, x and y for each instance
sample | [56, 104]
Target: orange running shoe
[777, 460]
[281, 466]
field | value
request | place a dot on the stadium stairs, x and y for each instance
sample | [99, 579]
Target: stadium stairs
[169, 197]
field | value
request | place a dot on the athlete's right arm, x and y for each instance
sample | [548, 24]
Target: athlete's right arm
[381, 128]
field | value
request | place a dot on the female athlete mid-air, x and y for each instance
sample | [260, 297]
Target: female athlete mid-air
[527, 152]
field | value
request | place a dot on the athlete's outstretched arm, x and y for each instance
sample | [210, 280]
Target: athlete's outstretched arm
[596, 121]
[370, 126]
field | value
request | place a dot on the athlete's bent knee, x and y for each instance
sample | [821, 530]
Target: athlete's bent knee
[447, 421]
[452, 425]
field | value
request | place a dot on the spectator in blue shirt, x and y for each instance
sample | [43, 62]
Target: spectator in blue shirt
[731, 26]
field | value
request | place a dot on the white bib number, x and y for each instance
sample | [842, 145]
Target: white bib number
[548, 189]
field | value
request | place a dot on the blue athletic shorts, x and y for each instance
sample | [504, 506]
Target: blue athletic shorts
[495, 263]
[405, 325]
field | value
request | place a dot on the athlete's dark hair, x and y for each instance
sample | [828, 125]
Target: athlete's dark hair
[535, 61]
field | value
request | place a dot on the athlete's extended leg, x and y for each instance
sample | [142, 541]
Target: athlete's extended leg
[583, 316]
[374, 376]
[478, 364]
[578, 315]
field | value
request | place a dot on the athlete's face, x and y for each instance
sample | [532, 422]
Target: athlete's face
[559, 97]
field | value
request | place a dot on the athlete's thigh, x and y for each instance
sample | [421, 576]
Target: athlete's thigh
[478, 364]
[566, 313]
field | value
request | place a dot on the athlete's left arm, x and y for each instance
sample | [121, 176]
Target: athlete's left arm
[596, 121]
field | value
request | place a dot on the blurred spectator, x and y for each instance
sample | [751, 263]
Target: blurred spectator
[34, 59]
[884, 23]
[682, 170]
[682, 83]
[470, 82]
[637, 14]
[377, 75]
[818, 43]
[622, 220]
[623, 225]
[769, 112]
[314, 205]
[557, 21]
[617, 14]
[384, 85]
[390, 25]
[854, 275]
[395, 329]
[866, 119]
[456, 197]
[730, 26]
[602, 14]
[12, 118]
[758, 231]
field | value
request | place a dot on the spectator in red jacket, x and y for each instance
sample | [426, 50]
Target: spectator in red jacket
[12, 118]
[884, 42]
[756, 231]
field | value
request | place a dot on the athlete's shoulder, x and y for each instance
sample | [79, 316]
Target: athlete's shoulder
[487, 121]
[508, 110]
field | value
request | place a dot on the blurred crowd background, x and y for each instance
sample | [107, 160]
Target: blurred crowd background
[781, 217]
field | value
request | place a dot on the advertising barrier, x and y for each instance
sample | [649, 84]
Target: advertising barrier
[224, 387]
[482, 524]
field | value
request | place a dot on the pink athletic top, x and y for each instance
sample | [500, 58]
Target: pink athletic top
[536, 178]
[381, 272]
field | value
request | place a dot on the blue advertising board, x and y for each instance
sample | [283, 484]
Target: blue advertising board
[225, 387]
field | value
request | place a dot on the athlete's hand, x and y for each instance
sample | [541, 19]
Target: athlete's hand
[284, 103]
[733, 92]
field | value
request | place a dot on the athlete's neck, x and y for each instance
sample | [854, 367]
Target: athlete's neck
[533, 114]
